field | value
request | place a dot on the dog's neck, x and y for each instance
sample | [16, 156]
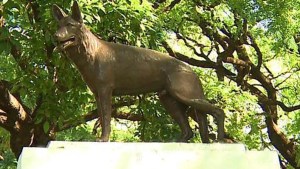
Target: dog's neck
[89, 43]
[85, 49]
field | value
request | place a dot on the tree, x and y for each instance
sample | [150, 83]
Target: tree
[245, 52]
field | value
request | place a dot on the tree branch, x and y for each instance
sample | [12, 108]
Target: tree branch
[194, 62]
[3, 120]
[235, 61]
[258, 51]
[185, 40]
[277, 85]
[173, 3]
[94, 115]
[286, 108]
[38, 103]
[278, 139]
[9, 103]
[157, 3]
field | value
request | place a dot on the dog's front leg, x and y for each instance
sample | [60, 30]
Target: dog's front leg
[104, 101]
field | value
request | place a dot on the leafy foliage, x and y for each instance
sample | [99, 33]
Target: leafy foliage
[8, 161]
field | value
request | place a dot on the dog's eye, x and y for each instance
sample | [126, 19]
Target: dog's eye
[69, 24]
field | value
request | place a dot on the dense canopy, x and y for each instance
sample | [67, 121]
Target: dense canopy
[246, 52]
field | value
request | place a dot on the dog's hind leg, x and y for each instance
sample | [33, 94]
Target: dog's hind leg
[204, 106]
[177, 111]
[201, 119]
[186, 88]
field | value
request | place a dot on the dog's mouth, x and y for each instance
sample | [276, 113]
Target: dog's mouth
[68, 42]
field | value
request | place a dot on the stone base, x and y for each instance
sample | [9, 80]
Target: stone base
[93, 155]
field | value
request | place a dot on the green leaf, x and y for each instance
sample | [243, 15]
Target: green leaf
[100, 6]
[4, 47]
[46, 126]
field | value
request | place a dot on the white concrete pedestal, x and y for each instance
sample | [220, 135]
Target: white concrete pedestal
[94, 155]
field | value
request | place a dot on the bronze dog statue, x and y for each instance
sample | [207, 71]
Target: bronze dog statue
[112, 69]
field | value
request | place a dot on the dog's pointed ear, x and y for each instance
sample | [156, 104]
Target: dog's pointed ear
[76, 12]
[58, 13]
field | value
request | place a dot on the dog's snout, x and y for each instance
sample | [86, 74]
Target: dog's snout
[58, 36]
[61, 34]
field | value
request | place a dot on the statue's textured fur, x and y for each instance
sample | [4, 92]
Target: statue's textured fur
[111, 69]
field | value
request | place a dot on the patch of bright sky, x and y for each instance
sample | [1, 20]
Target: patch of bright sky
[275, 66]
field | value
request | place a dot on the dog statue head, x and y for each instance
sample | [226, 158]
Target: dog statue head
[69, 30]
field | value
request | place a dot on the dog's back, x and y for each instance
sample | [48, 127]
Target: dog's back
[138, 70]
